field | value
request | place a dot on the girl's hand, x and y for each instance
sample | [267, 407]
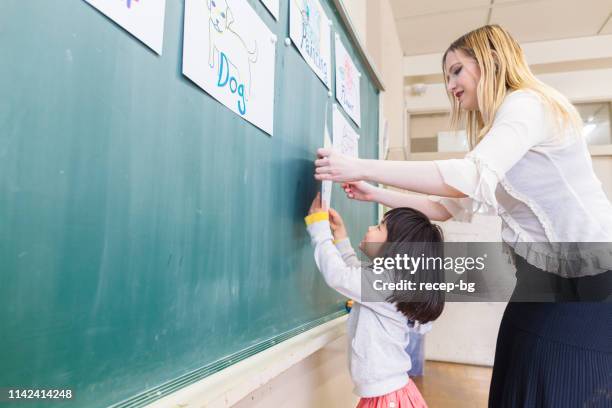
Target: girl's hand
[359, 190]
[316, 206]
[337, 225]
[337, 167]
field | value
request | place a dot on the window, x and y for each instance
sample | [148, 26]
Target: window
[596, 118]
[431, 133]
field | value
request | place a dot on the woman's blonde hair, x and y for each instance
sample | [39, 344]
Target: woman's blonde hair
[503, 69]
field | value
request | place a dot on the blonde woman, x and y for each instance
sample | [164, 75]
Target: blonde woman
[530, 165]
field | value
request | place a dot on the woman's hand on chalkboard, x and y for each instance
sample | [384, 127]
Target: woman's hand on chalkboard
[336, 224]
[334, 166]
[359, 190]
[316, 206]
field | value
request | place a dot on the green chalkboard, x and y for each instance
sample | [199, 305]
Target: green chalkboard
[148, 235]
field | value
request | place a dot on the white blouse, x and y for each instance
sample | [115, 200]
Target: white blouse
[542, 186]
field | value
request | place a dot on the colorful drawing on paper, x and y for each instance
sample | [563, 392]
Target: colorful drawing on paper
[309, 29]
[347, 83]
[144, 19]
[235, 71]
[230, 53]
[346, 140]
[273, 7]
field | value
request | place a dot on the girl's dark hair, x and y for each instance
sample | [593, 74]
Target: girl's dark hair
[411, 233]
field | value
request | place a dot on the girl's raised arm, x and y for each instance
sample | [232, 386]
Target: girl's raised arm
[393, 199]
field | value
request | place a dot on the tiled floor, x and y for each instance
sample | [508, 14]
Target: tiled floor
[449, 385]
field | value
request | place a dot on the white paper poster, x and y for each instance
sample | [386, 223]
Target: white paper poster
[144, 19]
[346, 140]
[326, 185]
[229, 52]
[384, 141]
[309, 29]
[273, 7]
[347, 83]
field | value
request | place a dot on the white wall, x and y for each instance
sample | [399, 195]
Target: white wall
[577, 86]
[465, 333]
[321, 380]
[357, 11]
[384, 47]
[564, 53]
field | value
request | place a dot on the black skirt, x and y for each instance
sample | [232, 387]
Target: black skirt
[554, 354]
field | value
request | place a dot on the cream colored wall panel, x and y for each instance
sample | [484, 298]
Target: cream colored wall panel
[577, 86]
[434, 99]
[525, 20]
[582, 86]
[562, 52]
[607, 28]
[409, 8]
[603, 169]
[321, 380]
[434, 33]
[382, 38]
[356, 10]
[510, 2]
[428, 126]
[465, 333]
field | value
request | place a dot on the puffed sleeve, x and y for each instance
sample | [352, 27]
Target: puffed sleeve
[519, 125]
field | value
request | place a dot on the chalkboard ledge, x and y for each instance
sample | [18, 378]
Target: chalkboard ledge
[225, 388]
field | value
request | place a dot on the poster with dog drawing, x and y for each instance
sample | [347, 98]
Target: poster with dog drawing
[273, 7]
[144, 19]
[309, 29]
[346, 140]
[347, 83]
[229, 52]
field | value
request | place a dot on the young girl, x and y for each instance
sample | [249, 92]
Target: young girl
[530, 165]
[378, 325]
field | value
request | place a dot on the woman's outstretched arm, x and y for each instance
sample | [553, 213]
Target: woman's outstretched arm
[520, 124]
[418, 176]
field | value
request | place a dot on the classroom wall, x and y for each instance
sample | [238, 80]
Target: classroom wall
[357, 12]
[466, 332]
[578, 86]
[321, 380]
[384, 46]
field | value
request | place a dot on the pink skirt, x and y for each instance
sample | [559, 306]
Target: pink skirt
[406, 397]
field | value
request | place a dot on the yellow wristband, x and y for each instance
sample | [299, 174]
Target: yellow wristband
[317, 217]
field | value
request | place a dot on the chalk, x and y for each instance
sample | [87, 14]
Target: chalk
[287, 41]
